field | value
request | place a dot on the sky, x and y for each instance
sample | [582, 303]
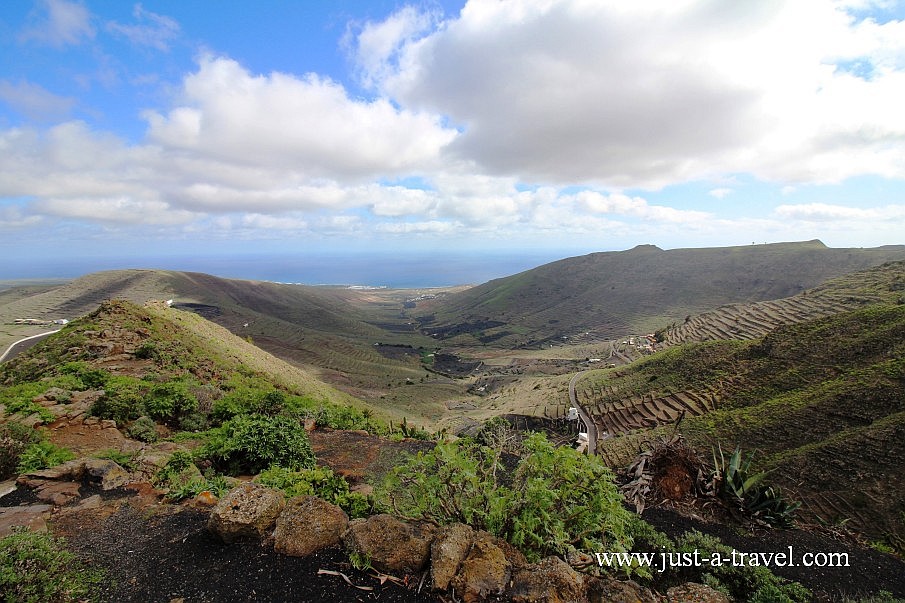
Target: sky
[131, 131]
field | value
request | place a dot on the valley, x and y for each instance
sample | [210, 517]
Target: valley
[803, 369]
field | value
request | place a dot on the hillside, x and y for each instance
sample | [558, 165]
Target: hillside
[158, 343]
[635, 291]
[881, 284]
[822, 401]
[328, 331]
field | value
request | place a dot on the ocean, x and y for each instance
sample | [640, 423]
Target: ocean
[384, 269]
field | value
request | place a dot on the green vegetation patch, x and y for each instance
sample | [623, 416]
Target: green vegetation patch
[554, 501]
[37, 568]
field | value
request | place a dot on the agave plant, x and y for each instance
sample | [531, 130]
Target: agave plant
[734, 482]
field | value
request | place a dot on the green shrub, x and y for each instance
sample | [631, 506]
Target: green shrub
[252, 443]
[182, 479]
[123, 400]
[555, 501]
[42, 455]
[320, 482]
[143, 429]
[35, 567]
[18, 400]
[146, 350]
[90, 378]
[14, 439]
[741, 582]
[193, 422]
[170, 400]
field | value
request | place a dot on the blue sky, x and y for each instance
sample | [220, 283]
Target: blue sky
[138, 130]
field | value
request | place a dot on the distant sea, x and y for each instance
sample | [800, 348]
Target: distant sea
[393, 270]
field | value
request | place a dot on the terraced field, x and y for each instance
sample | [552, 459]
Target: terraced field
[821, 401]
[882, 284]
[619, 405]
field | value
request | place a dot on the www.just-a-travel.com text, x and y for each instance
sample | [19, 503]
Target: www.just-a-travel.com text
[664, 561]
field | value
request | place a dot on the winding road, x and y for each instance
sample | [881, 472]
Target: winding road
[586, 419]
[9, 350]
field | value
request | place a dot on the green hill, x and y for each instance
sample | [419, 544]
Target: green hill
[822, 401]
[158, 343]
[636, 291]
[330, 332]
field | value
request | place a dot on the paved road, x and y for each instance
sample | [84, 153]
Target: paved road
[10, 350]
[592, 428]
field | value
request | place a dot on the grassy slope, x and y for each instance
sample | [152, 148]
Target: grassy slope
[822, 401]
[329, 332]
[187, 345]
[638, 290]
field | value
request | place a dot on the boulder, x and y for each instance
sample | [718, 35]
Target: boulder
[448, 551]
[308, 524]
[148, 463]
[57, 493]
[108, 473]
[390, 544]
[484, 572]
[248, 511]
[692, 592]
[607, 589]
[105, 472]
[551, 580]
[31, 516]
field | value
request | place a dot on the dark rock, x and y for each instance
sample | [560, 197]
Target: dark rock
[609, 590]
[248, 511]
[308, 524]
[448, 550]
[550, 580]
[484, 572]
[390, 544]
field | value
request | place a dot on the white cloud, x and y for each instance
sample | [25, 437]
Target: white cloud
[306, 124]
[12, 217]
[648, 94]
[637, 207]
[121, 210]
[151, 29]
[720, 193]
[34, 101]
[824, 212]
[59, 23]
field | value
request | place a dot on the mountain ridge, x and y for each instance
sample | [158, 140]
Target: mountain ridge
[635, 291]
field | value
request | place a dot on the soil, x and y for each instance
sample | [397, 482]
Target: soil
[170, 556]
[156, 552]
[869, 571]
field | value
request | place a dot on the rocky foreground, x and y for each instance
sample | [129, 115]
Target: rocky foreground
[117, 523]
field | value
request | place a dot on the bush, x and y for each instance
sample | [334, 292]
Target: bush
[252, 443]
[169, 401]
[123, 400]
[144, 429]
[42, 455]
[146, 350]
[741, 582]
[555, 501]
[14, 439]
[35, 567]
[320, 482]
[89, 377]
[735, 483]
